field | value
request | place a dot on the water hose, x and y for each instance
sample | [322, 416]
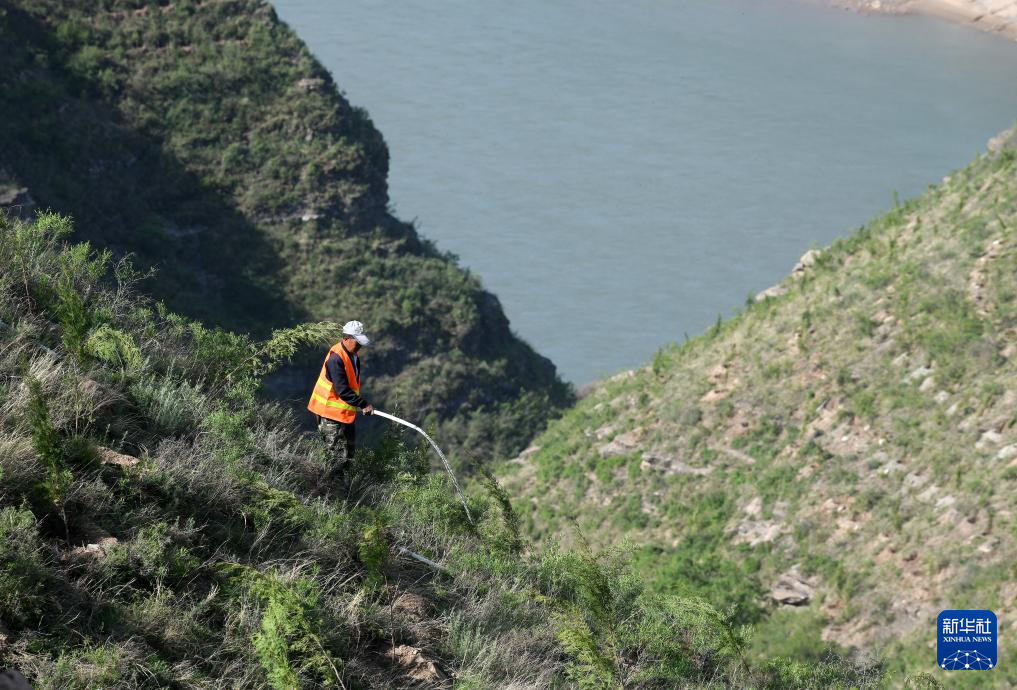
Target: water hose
[403, 551]
[451, 474]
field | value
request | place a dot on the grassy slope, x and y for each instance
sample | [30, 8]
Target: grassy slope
[159, 528]
[860, 427]
[205, 139]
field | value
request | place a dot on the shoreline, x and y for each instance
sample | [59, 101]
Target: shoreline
[997, 17]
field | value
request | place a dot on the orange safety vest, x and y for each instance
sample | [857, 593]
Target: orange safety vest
[324, 402]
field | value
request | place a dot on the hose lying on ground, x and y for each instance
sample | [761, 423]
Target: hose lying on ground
[403, 551]
[455, 483]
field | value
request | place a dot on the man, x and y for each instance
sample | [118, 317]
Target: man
[336, 395]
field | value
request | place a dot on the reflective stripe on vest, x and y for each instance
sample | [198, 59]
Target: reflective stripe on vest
[324, 402]
[333, 403]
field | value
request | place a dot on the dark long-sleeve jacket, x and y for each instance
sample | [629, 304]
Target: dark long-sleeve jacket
[336, 373]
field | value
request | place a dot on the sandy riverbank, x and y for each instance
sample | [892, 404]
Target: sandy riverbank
[992, 16]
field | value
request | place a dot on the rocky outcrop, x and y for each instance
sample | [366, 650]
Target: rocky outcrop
[807, 261]
[793, 589]
[993, 16]
[17, 201]
[622, 444]
[756, 532]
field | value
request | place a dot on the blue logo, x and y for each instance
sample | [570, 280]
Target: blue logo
[967, 640]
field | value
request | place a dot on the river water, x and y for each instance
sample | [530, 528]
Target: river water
[620, 173]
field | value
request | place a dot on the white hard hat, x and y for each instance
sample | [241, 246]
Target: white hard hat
[355, 329]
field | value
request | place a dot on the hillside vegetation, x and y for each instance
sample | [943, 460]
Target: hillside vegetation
[838, 463]
[204, 139]
[160, 528]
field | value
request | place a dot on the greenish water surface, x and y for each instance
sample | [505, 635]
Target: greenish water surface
[620, 173]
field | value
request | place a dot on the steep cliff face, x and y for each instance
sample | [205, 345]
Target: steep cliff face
[203, 138]
[839, 460]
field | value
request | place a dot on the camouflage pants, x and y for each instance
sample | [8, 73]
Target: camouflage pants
[339, 438]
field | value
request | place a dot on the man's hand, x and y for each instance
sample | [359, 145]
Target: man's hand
[369, 409]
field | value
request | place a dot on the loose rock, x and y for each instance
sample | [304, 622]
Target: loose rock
[671, 465]
[111, 457]
[792, 589]
[988, 437]
[622, 444]
[755, 532]
[418, 667]
[1007, 452]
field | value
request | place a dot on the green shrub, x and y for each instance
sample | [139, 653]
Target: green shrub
[680, 638]
[704, 564]
[271, 506]
[430, 504]
[79, 272]
[831, 672]
[592, 598]
[374, 547]
[791, 632]
[95, 666]
[23, 575]
[113, 347]
[294, 645]
[503, 537]
[153, 555]
[172, 406]
[230, 433]
[592, 652]
[86, 62]
[922, 681]
[56, 484]
[80, 452]
[104, 665]
[75, 319]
